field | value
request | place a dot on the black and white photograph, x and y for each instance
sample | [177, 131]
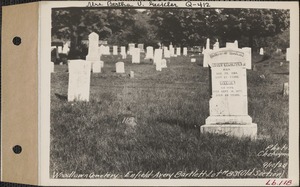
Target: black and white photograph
[156, 91]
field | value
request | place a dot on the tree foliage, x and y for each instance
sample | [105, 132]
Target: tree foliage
[182, 27]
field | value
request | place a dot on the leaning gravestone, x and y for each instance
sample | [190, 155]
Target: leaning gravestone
[229, 105]
[93, 52]
[120, 67]
[135, 55]
[79, 80]
[149, 52]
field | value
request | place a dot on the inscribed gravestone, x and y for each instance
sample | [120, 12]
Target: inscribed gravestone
[135, 55]
[228, 104]
[79, 80]
[120, 67]
[149, 52]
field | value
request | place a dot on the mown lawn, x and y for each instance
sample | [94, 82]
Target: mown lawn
[169, 107]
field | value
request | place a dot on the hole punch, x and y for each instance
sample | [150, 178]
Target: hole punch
[17, 40]
[17, 149]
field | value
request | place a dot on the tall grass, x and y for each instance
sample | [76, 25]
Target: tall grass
[169, 107]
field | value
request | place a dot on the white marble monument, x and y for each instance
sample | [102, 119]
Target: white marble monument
[261, 51]
[228, 106]
[149, 52]
[135, 55]
[115, 50]
[185, 51]
[131, 46]
[79, 80]
[206, 52]
[157, 59]
[178, 51]
[120, 67]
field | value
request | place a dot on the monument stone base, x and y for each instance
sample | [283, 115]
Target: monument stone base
[241, 119]
[236, 130]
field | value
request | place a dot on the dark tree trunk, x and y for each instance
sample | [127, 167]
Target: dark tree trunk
[250, 42]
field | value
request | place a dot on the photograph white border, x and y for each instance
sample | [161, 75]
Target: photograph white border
[45, 9]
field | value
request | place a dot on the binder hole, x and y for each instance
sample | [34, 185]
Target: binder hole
[17, 40]
[17, 149]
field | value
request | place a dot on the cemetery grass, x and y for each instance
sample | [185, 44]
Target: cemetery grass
[169, 107]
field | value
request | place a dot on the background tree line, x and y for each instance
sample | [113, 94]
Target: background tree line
[183, 27]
